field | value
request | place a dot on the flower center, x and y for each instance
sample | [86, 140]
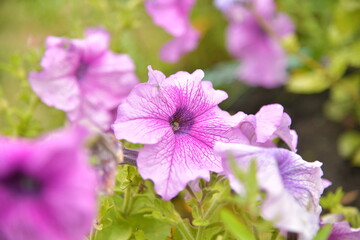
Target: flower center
[181, 121]
[81, 70]
[175, 126]
[21, 183]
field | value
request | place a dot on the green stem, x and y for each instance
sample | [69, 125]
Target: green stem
[275, 234]
[127, 200]
[200, 233]
[191, 192]
[213, 207]
[184, 230]
[25, 123]
[92, 233]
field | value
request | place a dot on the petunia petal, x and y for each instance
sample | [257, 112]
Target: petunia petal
[60, 92]
[175, 48]
[292, 185]
[268, 120]
[172, 15]
[144, 116]
[111, 77]
[174, 162]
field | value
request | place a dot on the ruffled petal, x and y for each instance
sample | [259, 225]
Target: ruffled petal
[174, 162]
[175, 48]
[95, 44]
[268, 120]
[155, 76]
[144, 116]
[283, 25]
[60, 92]
[264, 65]
[172, 15]
[343, 231]
[284, 132]
[60, 61]
[293, 186]
[189, 92]
[109, 80]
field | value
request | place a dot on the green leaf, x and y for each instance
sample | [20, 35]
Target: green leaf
[290, 43]
[308, 82]
[130, 145]
[165, 211]
[252, 187]
[356, 158]
[139, 235]
[151, 228]
[323, 233]
[118, 231]
[200, 222]
[213, 230]
[349, 143]
[236, 228]
[332, 200]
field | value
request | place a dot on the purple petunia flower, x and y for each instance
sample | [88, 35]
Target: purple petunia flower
[263, 59]
[268, 123]
[83, 78]
[343, 231]
[178, 120]
[293, 186]
[47, 189]
[173, 16]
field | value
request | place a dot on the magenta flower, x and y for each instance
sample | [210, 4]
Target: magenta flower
[268, 123]
[47, 189]
[173, 16]
[173, 50]
[343, 231]
[263, 61]
[293, 186]
[178, 120]
[83, 78]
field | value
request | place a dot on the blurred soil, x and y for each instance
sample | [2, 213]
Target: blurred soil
[317, 135]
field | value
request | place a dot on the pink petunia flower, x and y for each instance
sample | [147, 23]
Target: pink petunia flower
[268, 123]
[263, 61]
[178, 120]
[84, 78]
[47, 189]
[293, 186]
[173, 16]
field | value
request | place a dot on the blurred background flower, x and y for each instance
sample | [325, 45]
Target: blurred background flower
[322, 57]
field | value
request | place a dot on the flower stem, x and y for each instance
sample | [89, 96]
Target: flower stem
[191, 192]
[127, 200]
[275, 234]
[184, 230]
[200, 233]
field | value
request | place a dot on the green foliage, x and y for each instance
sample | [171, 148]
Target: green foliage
[236, 227]
[130, 145]
[324, 55]
[133, 211]
[20, 113]
[308, 82]
[349, 146]
[323, 233]
[332, 200]
[333, 203]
